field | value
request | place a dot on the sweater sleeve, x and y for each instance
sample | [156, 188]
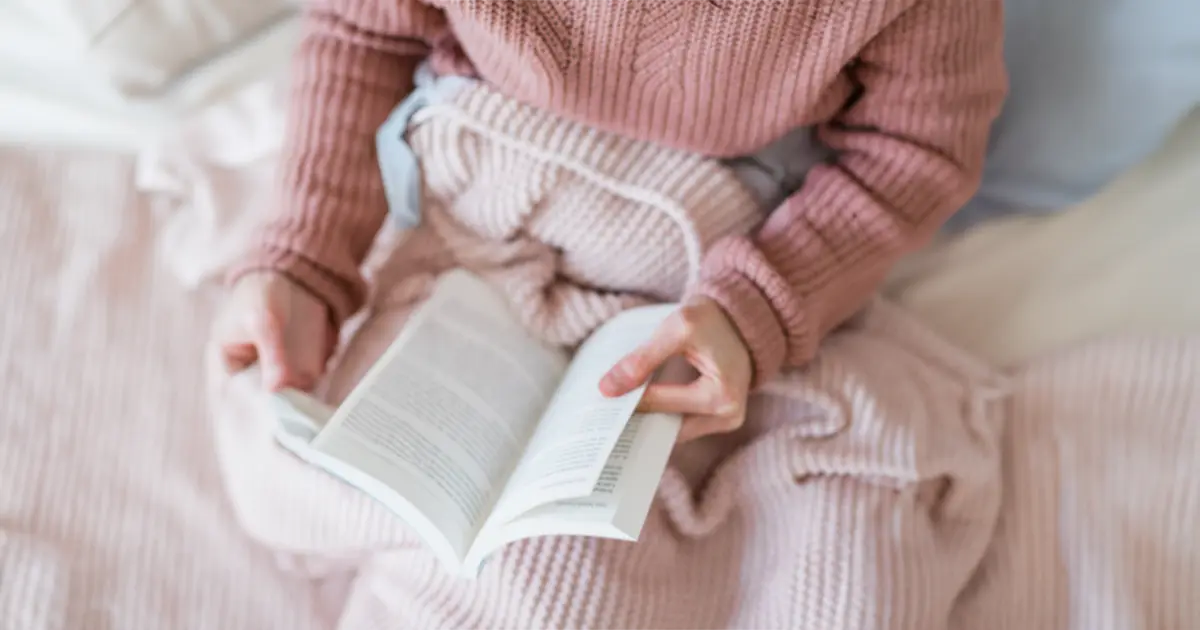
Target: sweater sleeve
[354, 63]
[909, 152]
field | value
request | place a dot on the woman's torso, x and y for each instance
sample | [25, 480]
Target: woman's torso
[720, 77]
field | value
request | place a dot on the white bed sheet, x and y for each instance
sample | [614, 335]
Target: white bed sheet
[50, 97]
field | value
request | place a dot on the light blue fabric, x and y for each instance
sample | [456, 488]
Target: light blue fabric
[398, 164]
[1096, 87]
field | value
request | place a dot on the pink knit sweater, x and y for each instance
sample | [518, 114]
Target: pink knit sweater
[903, 90]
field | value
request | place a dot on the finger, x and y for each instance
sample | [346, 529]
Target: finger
[305, 357]
[676, 371]
[272, 352]
[704, 396]
[238, 356]
[695, 398]
[331, 342]
[695, 427]
[637, 367]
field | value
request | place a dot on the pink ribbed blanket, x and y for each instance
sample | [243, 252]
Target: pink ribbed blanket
[862, 492]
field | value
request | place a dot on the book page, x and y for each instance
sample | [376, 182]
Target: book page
[618, 504]
[636, 462]
[443, 417]
[578, 430]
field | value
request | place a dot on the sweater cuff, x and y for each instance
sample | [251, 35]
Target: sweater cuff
[754, 318]
[342, 298]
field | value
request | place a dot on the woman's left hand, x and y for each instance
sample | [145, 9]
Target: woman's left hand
[701, 333]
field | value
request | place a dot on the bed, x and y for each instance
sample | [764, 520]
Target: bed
[112, 513]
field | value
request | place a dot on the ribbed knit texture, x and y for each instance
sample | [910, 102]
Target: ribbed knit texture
[1101, 493]
[903, 90]
[862, 493]
[113, 514]
[571, 224]
[852, 499]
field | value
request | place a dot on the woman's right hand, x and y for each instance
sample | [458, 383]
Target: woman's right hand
[271, 320]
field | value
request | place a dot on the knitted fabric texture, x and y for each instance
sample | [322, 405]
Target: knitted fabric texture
[115, 513]
[864, 485]
[902, 91]
[573, 225]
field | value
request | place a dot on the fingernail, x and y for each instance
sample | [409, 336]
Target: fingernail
[609, 385]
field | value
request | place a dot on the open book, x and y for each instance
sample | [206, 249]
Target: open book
[477, 434]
